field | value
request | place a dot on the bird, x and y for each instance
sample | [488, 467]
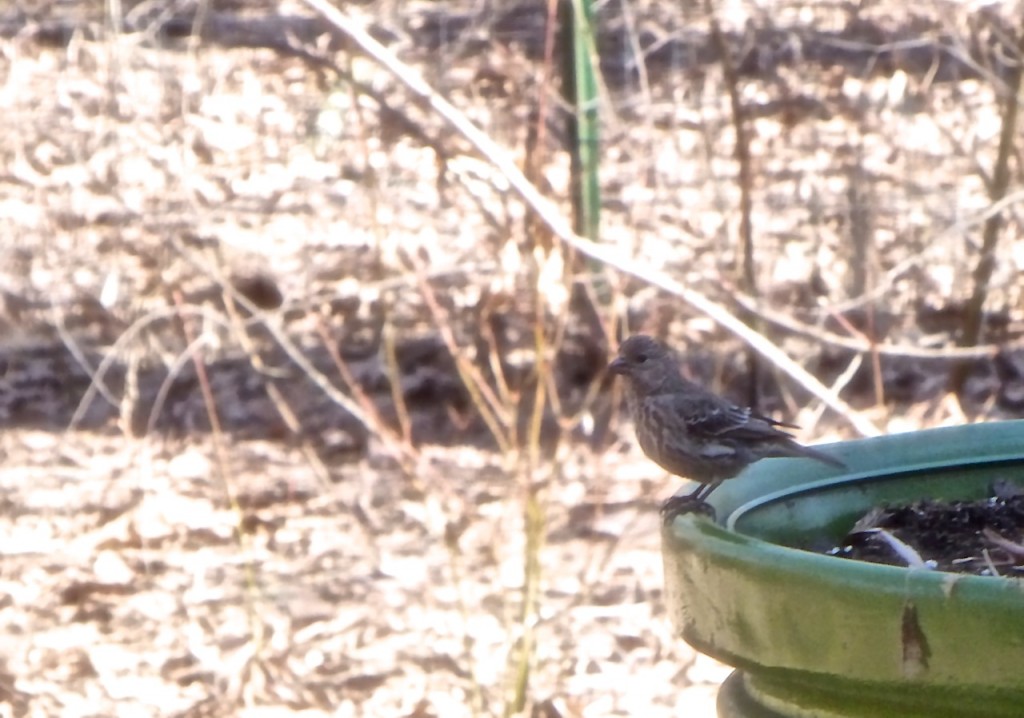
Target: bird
[691, 432]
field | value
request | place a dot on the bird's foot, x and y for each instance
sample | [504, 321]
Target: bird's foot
[685, 504]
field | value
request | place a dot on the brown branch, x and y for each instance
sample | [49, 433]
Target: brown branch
[973, 313]
[741, 150]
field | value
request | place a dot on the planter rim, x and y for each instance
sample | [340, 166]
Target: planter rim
[764, 484]
[859, 478]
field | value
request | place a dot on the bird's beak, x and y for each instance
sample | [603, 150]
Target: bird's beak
[618, 366]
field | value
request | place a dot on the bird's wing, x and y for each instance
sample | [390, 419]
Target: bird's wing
[707, 415]
[711, 416]
[773, 422]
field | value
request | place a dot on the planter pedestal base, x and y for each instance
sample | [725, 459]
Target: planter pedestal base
[735, 702]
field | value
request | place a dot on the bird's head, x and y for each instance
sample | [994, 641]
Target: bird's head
[645, 362]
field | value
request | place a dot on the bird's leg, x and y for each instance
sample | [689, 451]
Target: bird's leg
[704, 490]
[695, 501]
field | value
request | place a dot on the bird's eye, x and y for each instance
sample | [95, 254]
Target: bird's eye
[641, 358]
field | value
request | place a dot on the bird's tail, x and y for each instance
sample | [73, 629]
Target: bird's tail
[794, 449]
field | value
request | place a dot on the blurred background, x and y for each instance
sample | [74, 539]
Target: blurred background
[304, 409]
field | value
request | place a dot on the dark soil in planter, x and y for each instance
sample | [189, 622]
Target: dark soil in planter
[984, 537]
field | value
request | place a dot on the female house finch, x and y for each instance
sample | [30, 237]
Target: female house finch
[690, 432]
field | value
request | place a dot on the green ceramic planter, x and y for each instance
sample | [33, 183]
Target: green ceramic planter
[814, 635]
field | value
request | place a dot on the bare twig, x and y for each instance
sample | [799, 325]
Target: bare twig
[505, 163]
[861, 343]
[903, 550]
[274, 393]
[400, 447]
[71, 344]
[1011, 547]
[216, 433]
[96, 385]
[988, 562]
[395, 375]
[498, 416]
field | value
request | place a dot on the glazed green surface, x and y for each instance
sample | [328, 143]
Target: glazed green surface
[837, 637]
